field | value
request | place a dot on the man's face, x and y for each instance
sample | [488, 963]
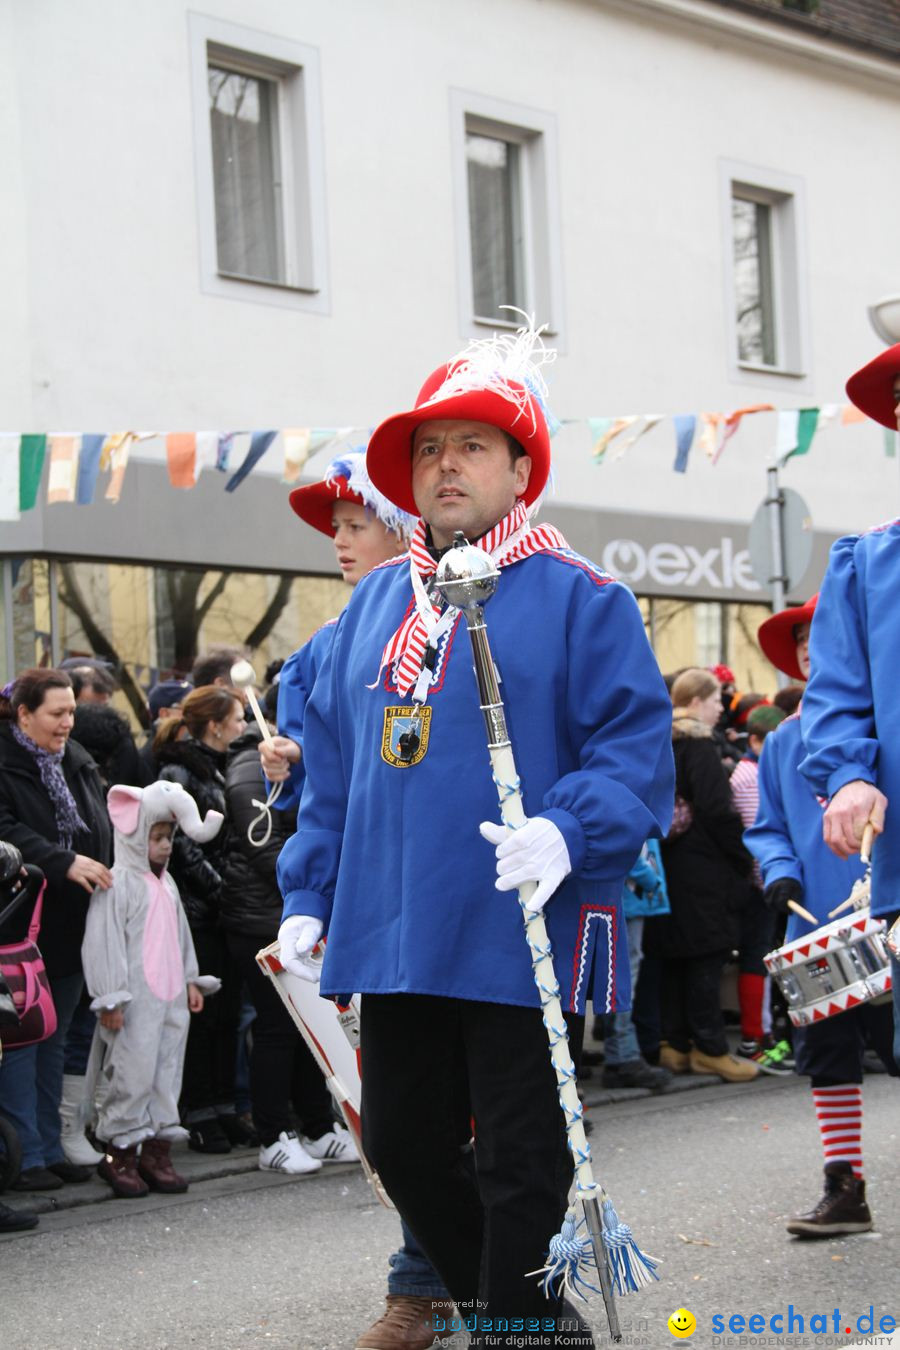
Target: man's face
[896, 393]
[801, 637]
[361, 541]
[464, 478]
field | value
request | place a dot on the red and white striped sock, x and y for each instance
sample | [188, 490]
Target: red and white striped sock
[839, 1115]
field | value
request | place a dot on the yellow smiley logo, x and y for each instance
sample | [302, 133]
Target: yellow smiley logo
[682, 1323]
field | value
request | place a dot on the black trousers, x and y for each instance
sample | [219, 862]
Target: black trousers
[282, 1070]
[831, 1052]
[484, 1215]
[211, 1055]
[691, 1004]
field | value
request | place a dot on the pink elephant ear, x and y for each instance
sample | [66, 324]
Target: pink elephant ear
[124, 806]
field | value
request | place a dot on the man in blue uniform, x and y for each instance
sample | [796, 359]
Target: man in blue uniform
[387, 855]
[851, 710]
[786, 840]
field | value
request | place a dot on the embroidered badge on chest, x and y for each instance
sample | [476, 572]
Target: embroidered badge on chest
[404, 741]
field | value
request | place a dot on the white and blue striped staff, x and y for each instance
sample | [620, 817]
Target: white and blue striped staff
[467, 577]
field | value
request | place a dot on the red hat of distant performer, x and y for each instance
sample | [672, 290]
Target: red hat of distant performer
[346, 480]
[479, 385]
[872, 387]
[776, 637]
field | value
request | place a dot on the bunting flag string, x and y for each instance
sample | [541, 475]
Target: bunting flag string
[76, 459]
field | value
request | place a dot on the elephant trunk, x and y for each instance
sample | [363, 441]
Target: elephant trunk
[185, 812]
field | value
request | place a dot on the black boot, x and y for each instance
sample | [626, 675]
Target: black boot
[842, 1209]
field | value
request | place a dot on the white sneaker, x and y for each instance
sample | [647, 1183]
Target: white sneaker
[336, 1146]
[287, 1154]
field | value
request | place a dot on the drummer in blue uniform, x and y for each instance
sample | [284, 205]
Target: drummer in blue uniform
[786, 840]
[851, 712]
[387, 855]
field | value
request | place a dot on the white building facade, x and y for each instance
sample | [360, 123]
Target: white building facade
[285, 214]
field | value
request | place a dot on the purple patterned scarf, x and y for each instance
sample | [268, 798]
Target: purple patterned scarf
[49, 763]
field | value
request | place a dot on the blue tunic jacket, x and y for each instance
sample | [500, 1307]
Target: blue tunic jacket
[389, 855]
[855, 655]
[786, 838]
[298, 675]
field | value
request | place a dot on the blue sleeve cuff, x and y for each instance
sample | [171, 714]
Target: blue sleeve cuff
[571, 831]
[778, 868]
[307, 902]
[849, 773]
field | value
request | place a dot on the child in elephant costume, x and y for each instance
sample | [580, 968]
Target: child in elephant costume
[141, 971]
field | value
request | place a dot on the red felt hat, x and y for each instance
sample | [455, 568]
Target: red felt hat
[776, 637]
[314, 502]
[872, 388]
[443, 396]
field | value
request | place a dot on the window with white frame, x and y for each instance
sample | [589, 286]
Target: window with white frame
[765, 274]
[259, 161]
[508, 231]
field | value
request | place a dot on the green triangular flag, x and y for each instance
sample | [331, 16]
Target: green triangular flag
[31, 465]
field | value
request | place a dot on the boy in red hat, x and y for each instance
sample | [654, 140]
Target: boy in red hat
[796, 865]
[387, 853]
[851, 711]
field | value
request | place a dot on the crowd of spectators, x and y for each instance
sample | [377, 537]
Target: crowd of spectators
[693, 907]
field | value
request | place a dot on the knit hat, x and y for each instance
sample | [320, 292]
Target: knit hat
[764, 718]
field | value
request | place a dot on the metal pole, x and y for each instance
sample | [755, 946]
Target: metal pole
[775, 505]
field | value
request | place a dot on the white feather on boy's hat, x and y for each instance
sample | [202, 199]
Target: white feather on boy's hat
[347, 480]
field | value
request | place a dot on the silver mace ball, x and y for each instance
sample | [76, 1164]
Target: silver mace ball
[466, 576]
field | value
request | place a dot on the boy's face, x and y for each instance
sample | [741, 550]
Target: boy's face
[755, 743]
[801, 637]
[159, 845]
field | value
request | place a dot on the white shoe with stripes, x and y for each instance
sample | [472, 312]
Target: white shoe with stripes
[287, 1154]
[334, 1147]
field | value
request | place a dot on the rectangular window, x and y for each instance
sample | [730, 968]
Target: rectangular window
[508, 230]
[495, 225]
[259, 160]
[765, 281]
[754, 281]
[243, 116]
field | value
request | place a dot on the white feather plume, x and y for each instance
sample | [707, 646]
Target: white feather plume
[351, 469]
[499, 364]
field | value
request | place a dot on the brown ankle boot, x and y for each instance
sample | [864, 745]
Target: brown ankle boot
[119, 1168]
[410, 1323]
[156, 1167]
[842, 1209]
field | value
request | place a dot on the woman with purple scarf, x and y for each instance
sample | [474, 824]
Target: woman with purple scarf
[52, 808]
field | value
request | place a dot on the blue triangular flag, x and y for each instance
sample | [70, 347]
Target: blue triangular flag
[88, 467]
[259, 444]
[685, 426]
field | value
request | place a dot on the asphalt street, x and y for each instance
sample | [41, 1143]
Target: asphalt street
[251, 1260]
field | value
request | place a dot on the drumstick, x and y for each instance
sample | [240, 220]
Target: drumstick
[243, 677]
[865, 848]
[804, 913]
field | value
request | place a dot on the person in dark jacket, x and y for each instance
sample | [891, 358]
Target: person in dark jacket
[282, 1069]
[707, 871]
[53, 809]
[191, 750]
[106, 736]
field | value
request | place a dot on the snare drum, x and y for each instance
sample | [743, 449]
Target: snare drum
[834, 968]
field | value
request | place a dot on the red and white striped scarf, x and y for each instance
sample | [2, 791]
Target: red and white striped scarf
[509, 541]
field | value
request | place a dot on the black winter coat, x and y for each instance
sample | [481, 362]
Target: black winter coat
[28, 820]
[251, 901]
[197, 868]
[707, 868]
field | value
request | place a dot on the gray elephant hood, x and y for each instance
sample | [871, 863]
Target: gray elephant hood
[133, 811]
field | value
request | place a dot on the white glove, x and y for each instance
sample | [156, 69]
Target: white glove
[296, 938]
[536, 852]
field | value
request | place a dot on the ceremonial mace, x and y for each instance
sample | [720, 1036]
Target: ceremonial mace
[467, 578]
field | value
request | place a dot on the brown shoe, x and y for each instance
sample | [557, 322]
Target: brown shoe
[408, 1324]
[676, 1061]
[156, 1167]
[726, 1066]
[119, 1168]
[842, 1209]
